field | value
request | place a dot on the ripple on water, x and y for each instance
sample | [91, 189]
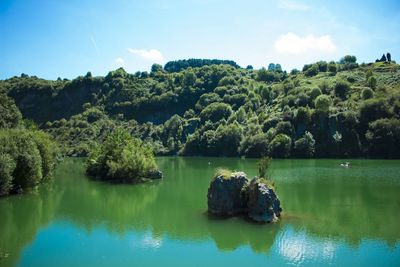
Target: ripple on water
[298, 249]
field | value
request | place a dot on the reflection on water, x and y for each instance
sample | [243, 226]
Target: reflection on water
[333, 216]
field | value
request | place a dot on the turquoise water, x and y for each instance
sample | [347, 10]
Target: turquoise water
[332, 217]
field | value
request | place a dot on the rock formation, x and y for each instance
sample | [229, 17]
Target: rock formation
[225, 194]
[234, 194]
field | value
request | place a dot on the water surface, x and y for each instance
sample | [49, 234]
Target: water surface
[332, 216]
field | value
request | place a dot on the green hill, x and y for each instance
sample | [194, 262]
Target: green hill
[216, 108]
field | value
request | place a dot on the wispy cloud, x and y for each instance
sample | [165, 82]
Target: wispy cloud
[119, 61]
[94, 44]
[291, 43]
[152, 54]
[290, 5]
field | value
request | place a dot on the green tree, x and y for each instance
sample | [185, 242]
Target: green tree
[254, 146]
[367, 93]
[305, 146]
[348, 59]
[383, 137]
[371, 82]
[7, 167]
[280, 146]
[10, 116]
[323, 103]
[265, 76]
[312, 71]
[121, 157]
[215, 112]
[342, 88]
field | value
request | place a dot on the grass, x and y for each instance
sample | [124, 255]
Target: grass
[225, 173]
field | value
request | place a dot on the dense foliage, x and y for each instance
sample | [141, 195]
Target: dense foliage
[26, 159]
[202, 107]
[27, 156]
[121, 157]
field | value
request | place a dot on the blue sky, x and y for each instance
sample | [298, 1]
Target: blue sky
[51, 38]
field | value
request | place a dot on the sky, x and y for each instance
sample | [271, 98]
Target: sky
[55, 38]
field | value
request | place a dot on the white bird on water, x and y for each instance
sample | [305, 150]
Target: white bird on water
[345, 164]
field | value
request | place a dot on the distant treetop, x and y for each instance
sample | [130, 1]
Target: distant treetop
[178, 65]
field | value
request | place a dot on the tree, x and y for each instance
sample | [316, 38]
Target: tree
[215, 112]
[367, 93]
[348, 59]
[389, 57]
[271, 67]
[373, 109]
[26, 158]
[312, 71]
[189, 78]
[383, 137]
[322, 103]
[284, 127]
[156, 68]
[122, 158]
[342, 88]
[254, 146]
[305, 146]
[227, 140]
[7, 167]
[10, 116]
[322, 66]
[280, 146]
[265, 76]
[372, 82]
[332, 67]
[383, 58]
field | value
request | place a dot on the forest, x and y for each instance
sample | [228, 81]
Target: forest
[201, 107]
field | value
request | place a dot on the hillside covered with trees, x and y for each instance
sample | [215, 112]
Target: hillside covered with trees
[216, 108]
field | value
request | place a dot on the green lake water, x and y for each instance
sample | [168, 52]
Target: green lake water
[332, 217]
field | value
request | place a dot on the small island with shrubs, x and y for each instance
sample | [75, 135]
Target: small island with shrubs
[232, 194]
[122, 158]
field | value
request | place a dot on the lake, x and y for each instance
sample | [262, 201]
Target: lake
[332, 216]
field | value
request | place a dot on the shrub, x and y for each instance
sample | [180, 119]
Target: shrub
[121, 157]
[342, 88]
[312, 71]
[10, 116]
[367, 93]
[254, 146]
[215, 112]
[322, 103]
[28, 156]
[373, 109]
[263, 165]
[371, 82]
[332, 67]
[383, 137]
[280, 146]
[7, 167]
[305, 146]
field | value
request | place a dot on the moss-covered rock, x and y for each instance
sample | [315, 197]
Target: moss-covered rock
[233, 194]
[225, 196]
[263, 204]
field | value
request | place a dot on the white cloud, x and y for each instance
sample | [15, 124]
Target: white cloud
[290, 5]
[291, 43]
[152, 54]
[120, 61]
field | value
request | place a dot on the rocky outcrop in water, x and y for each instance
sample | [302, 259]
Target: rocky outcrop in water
[263, 205]
[225, 194]
[235, 194]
